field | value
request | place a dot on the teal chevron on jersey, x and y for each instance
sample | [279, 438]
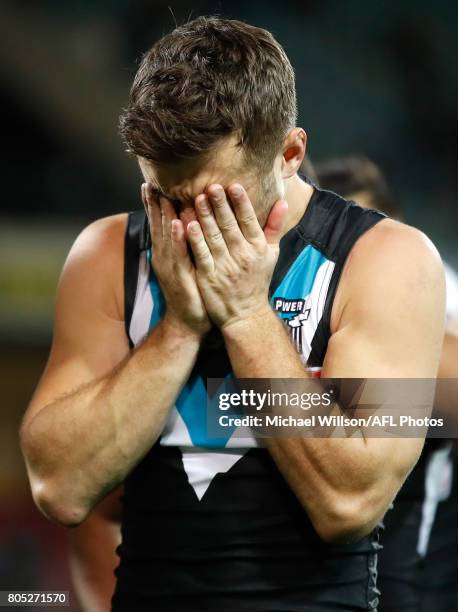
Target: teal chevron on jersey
[298, 281]
[193, 406]
[193, 403]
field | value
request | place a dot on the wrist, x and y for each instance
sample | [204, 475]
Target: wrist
[175, 327]
[248, 320]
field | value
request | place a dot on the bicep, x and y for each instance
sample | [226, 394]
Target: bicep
[391, 323]
[391, 326]
[88, 338]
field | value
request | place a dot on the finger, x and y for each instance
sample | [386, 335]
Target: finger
[224, 215]
[153, 211]
[168, 215]
[178, 239]
[202, 254]
[210, 228]
[245, 213]
[276, 221]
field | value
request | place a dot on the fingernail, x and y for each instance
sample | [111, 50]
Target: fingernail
[149, 193]
[236, 190]
[217, 191]
[203, 205]
[193, 227]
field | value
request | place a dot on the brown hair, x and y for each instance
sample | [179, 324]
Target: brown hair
[206, 80]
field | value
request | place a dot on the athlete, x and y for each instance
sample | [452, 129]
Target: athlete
[153, 303]
[418, 565]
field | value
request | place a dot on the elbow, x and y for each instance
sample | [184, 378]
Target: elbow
[345, 521]
[52, 498]
[55, 506]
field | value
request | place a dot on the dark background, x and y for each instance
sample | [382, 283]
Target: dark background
[378, 78]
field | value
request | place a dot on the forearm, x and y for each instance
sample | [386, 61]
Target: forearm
[79, 447]
[334, 478]
[448, 367]
[93, 560]
[446, 399]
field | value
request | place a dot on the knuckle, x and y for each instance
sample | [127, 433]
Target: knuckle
[219, 201]
[205, 212]
[233, 275]
[215, 237]
[229, 226]
[245, 261]
[259, 244]
[204, 254]
[248, 218]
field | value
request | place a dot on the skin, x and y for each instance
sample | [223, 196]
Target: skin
[93, 558]
[232, 273]
[344, 485]
[445, 400]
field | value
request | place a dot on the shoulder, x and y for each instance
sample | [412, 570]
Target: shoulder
[396, 251]
[397, 245]
[389, 261]
[398, 236]
[105, 234]
[95, 264]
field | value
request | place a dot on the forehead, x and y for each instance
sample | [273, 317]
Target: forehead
[186, 179]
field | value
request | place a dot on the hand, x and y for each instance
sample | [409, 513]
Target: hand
[172, 265]
[234, 257]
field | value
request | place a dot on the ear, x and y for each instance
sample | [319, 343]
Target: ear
[294, 148]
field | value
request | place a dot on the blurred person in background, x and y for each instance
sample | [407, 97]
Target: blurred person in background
[418, 566]
[92, 554]
[142, 322]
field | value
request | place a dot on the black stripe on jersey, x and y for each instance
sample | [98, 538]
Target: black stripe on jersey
[349, 221]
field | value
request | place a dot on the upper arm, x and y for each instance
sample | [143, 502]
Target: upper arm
[388, 317]
[89, 338]
[388, 322]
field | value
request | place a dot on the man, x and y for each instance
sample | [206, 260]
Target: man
[211, 524]
[419, 562]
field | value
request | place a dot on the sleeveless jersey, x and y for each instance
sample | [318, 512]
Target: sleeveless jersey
[210, 524]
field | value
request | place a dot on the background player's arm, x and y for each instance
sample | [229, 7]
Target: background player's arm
[446, 400]
[387, 322]
[449, 361]
[97, 409]
[93, 557]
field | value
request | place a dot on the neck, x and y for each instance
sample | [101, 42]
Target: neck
[298, 194]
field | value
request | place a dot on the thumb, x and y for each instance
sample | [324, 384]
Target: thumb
[276, 221]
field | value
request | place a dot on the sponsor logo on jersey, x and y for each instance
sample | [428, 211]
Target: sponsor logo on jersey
[294, 314]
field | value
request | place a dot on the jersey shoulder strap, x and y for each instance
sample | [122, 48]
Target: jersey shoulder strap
[136, 240]
[333, 225]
